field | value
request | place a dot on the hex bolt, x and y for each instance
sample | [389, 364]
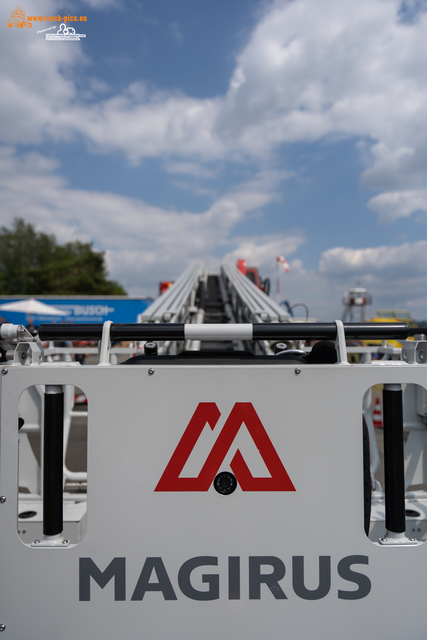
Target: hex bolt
[150, 372]
[5, 371]
[2, 499]
[297, 371]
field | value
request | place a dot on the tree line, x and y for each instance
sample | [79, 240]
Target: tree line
[33, 263]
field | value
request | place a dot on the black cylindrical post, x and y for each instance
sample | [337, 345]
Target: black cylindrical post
[394, 473]
[53, 447]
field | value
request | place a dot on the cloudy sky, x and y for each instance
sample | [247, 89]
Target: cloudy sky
[181, 130]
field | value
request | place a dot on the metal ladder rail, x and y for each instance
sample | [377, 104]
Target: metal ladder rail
[250, 304]
[169, 307]
[247, 298]
[177, 304]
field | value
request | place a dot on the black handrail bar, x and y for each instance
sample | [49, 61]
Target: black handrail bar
[261, 331]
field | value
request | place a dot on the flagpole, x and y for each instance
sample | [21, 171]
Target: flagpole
[281, 262]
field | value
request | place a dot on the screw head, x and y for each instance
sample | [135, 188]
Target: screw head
[65, 542]
[150, 372]
[2, 499]
[297, 371]
[5, 372]
[36, 542]
[2, 627]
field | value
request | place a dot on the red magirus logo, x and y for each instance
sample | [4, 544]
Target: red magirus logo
[241, 413]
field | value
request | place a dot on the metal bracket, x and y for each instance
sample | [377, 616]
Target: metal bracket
[398, 540]
[340, 344]
[414, 352]
[104, 346]
[52, 541]
[28, 350]
[28, 353]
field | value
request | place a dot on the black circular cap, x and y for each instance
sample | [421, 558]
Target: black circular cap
[150, 348]
[279, 347]
[27, 514]
[225, 483]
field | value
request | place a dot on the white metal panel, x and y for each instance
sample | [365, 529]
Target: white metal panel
[314, 422]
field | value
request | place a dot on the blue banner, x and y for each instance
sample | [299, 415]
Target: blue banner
[80, 310]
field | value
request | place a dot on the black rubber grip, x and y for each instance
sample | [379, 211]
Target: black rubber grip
[53, 447]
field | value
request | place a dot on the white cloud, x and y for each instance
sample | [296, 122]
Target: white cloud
[176, 31]
[145, 243]
[194, 169]
[398, 204]
[408, 260]
[34, 84]
[308, 70]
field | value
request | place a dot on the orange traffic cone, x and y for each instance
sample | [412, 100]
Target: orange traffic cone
[378, 414]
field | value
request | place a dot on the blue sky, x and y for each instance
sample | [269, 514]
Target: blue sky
[211, 130]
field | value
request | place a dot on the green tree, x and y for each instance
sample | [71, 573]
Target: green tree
[33, 263]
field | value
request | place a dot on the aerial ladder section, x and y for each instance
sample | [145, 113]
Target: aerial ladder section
[201, 298]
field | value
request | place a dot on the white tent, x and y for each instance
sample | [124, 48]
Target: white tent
[32, 307]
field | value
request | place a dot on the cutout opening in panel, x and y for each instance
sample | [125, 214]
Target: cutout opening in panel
[397, 458]
[52, 485]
